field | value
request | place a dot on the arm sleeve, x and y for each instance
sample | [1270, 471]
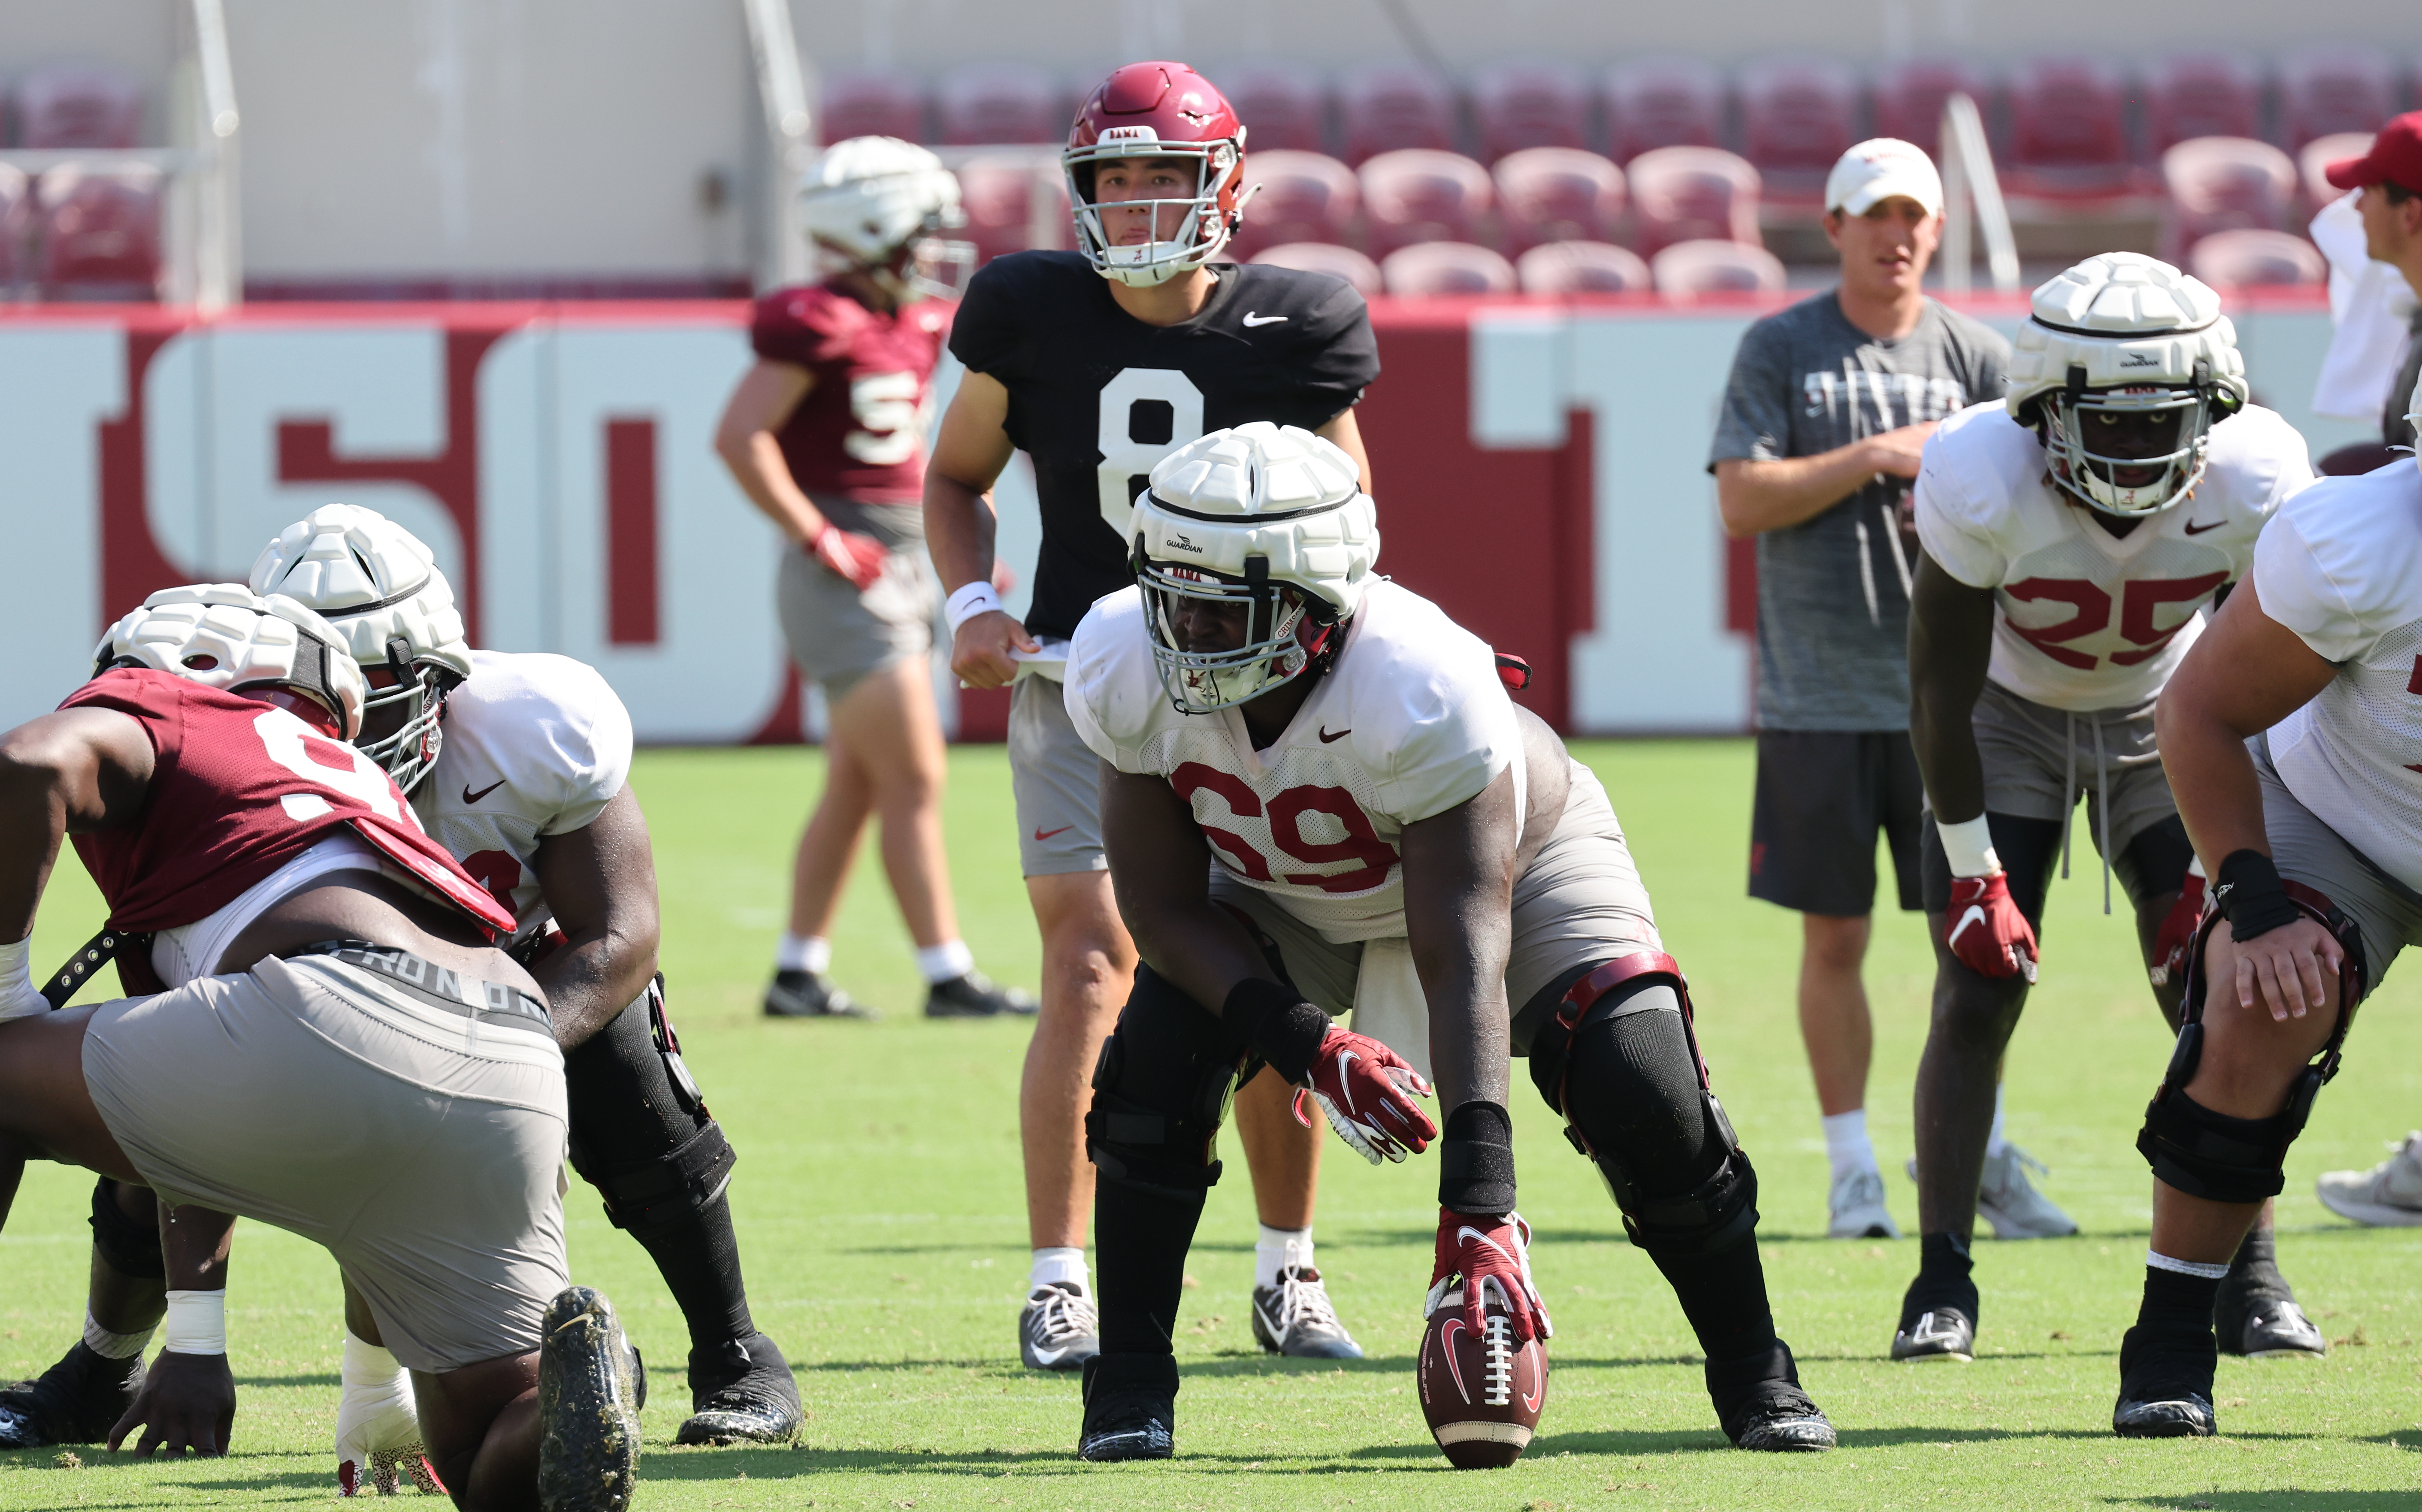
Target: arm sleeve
[1755, 423]
[592, 744]
[983, 337]
[1947, 529]
[2301, 588]
[787, 327]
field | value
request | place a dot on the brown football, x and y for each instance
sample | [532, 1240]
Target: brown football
[1481, 1394]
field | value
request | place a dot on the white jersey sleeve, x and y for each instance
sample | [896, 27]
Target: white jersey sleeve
[2339, 565]
[1110, 684]
[1960, 475]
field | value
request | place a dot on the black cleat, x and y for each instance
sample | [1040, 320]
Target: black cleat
[1936, 1333]
[741, 1392]
[588, 1407]
[1760, 1402]
[2256, 1315]
[76, 1401]
[1130, 1408]
[976, 996]
[810, 995]
[2165, 1386]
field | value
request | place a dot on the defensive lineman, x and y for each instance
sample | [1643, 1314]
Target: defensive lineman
[1098, 363]
[2071, 534]
[1319, 797]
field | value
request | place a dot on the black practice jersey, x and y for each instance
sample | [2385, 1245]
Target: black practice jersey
[1096, 396]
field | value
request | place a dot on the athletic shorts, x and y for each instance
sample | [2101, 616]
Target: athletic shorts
[2386, 911]
[418, 1134]
[839, 635]
[1821, 796]
[2039, 760]
[1057, 780]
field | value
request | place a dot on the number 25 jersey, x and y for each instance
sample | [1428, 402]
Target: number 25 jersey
[2084, 618]
[1096, 396]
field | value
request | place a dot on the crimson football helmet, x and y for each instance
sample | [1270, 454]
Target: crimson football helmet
[1158, 110]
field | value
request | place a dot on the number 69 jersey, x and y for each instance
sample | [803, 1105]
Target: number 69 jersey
[2084, 619]
[1409, 720]
[860, 432]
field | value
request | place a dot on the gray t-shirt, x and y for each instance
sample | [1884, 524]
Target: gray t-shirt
[1833, 596]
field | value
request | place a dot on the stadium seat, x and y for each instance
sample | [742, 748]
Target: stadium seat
[996, 190]
[1418, 194]
[1522, 105]
[2219, 183]
[1557, 193]
[2246, 259]
[982, 103]
[1798, 116]
[1326, 256]
[2069, 133]
[2326, 90]
[1683, 194]
[1282, 107]
[2319, 153]
[1689, 269]
[78, 105]
[1303, 196]
[16, 217]
[1436, 269]
[1389, 109]
[98, 233]
[1583, 268]
[1909, 97]
[2188, 95]
[1663, 102]
[872, 105]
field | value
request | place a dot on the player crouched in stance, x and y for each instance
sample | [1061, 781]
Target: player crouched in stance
[1388, 830]
[2285, 731]
[2063, 569]
[336, 1023]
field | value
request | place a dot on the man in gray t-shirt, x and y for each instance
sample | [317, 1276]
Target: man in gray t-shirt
[1828, 405]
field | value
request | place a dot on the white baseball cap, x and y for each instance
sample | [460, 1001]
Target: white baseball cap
[1878, 169]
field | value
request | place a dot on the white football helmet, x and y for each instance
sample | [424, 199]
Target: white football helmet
[226, 636]
[2124, 333]
[1268, 516]
[875, 203]
[381, 588]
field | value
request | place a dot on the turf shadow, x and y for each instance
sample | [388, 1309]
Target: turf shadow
[2296, 1497]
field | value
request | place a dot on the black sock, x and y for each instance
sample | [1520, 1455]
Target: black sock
[2257, 1257]
[1140, 1244]
[1943, 1279]
[700, 1263]
[2176, 1305]
[1724, 1295]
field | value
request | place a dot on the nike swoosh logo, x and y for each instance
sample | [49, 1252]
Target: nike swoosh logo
[2194, 528]
[1251, 319]
[1346, 1083]
[1325, 737]
[1454, 1365]
[1975, 915]
[1047, 834]
[469, 796]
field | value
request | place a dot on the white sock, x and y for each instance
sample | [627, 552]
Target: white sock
[803, 953]
[1055, 1266]
[2202, 1269]
[1846, 1143]
[367, 1366]
[945, 962]
[1994, 1143]
[113, 1346]
[1278, 1249]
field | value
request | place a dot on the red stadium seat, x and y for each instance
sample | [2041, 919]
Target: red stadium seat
[2326, 90]
[1303, 196]
[1689, 269]
[1683, 194]
[2319, 153]
[872, 105]
[16, 219]
[982, 103]
[1583, 268]
[2219, 183]
[1437, 270]
[2239, 259]
[1798, 114]
[76, 104]
[998, 191]
[1520, 105]
[1663, 102]
[1909, 98]
[99, 230]
[1388, 109]
[2202, 94]
[2068, 131]
[1282, 107]
[1325, 256]
[1558, 193]
[1420, 194]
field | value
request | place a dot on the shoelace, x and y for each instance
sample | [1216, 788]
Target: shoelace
[1303, 1299]
[2025, 1163]
[1062, 1314]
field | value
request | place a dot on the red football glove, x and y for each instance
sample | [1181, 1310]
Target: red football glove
[1361, 1085]
[1489, 1255]
[848, 554]
[1986, 930]
[2177, 932]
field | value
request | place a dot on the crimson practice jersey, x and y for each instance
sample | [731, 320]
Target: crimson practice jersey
[860, 432]
[1096, 396]
[238, 789]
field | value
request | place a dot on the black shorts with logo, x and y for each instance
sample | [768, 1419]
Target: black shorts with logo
[1821, 796]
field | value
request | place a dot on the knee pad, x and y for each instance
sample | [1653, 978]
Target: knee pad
[1158, 1100]
[129, 1247]
[642, 1196]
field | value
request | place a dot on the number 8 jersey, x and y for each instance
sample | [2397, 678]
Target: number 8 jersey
[2084, 619]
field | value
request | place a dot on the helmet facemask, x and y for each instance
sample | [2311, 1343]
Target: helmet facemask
[1286, 632]
[414, 704]
[1203, 229]
[2067, 421]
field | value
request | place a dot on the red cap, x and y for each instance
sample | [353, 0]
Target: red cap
[2396, 156]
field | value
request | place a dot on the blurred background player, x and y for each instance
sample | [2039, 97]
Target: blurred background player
[2373, 239]
[1097, 363]
[2061, 581]
[1823, 416]
[826, 435]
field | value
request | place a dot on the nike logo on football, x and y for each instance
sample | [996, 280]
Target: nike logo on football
[1251, 319]
[1325, 737]
[469, 796]
[2195, 529]
[1047, 834]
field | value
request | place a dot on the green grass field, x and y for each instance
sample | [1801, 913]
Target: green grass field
[880, 1213]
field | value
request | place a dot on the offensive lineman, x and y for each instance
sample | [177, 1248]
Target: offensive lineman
[1098, 363]
[1316, 795]
[2071, 533]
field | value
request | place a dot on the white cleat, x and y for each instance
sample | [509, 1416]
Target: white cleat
[2389, 1195]
[378, 1440]
[1857, 1208]
[2009, 1201]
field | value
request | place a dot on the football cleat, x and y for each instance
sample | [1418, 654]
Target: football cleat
[588, 1396]
[741, 1392]
[1296, 1318]
[977, 996]
[1936, 1333]
[2256, 1315]
[1856, 1207]
[378, 1440]
[1130, 1409]
[812, 995]
[2389, 1195]
[2164, 1387]
[76, 1401]
[2008, 1201]
[1760, 1402]
[1058, 1330]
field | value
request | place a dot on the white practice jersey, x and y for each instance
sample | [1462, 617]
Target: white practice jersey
[2342, 567]
[2084, 619]
[1409, 721]
[536, 744]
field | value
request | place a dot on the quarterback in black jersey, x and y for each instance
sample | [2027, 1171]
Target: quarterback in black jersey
[1097, 363]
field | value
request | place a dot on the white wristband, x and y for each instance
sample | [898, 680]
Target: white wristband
[19, 997]
[197, 1323]
[975, 598]
[1969, 847]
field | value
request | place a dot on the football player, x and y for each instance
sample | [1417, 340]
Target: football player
[1097, 363]
[1317, 797]
[825, 435]
[335, 1025]
[2071, 532]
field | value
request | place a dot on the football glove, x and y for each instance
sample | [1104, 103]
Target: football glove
[851, 555]
[1986, 930]
[2177, 932]
[1491, 1255]
[1363, 1086]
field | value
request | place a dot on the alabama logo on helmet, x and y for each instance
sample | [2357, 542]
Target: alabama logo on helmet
[1146, 112]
